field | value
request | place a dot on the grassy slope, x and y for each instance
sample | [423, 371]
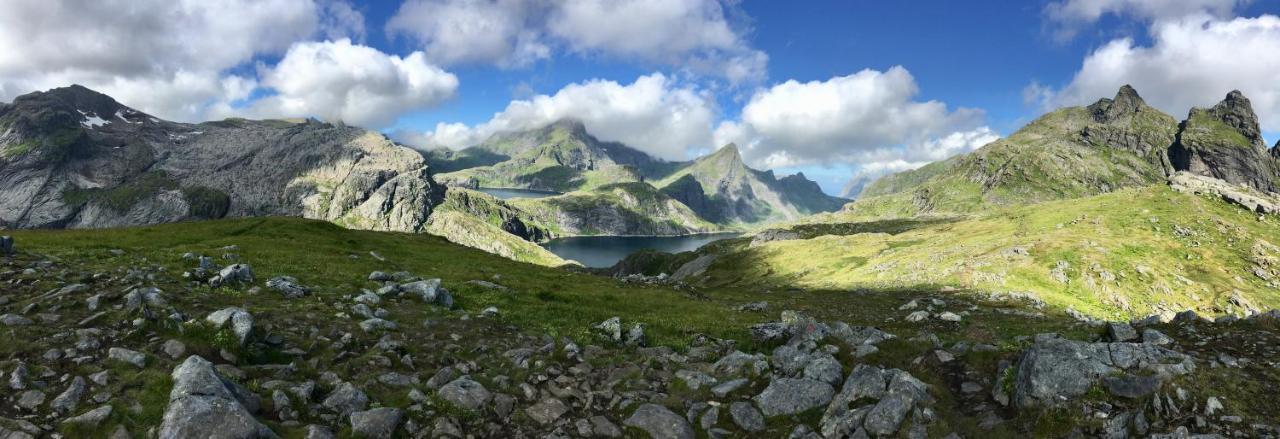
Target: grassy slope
[1129, 253]
[1046, 160]
[639, 203]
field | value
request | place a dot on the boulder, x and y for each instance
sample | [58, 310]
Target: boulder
[90, 419]
[788, 396]
[346, 399]
[239, 320]
[135, 358]
[379, 423]
[429, 291]
[288, 286]
[1054, 370]
[660, 423]
[233, 275]
[746, 416]
[465, 393]
[204, 404]
[546, 411]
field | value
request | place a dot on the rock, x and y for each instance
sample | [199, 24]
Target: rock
[737, 363]
[1151, 336]
[546, 411]
[825, 368]
[15, 320]
[903, 393]
[1118, 331]
[288, 286]
[90, 419]
[135, 358]
[379, 276]
[239, 320]
[139, 297]
[1054, 370]
[318, 432]
[202, 401]
[1225, 142]
[30, 400]
[377, 324]
[429, 291]
[660, 423]
[18, 378]
[753, 307]
[66, 401]
[695, 380]
[174, 349]
[724, 389]
[788, 396]
[771, 332]
[489, 312]
[746, 416]
[379, 423]
[603, 427]
[234, 274]
[1131, 386]
[610, 329]
[465, 393]
[917, 316]
[1212, 406]
[948, 316]
[635, 336]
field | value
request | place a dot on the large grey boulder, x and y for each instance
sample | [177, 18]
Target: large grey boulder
[746, 416]
[887, 397]
[788, 396]
[1054, 370]
[234, 274]
[379, 423]
[660, 423]
[204, 404]
[465, 393]
[346, 399]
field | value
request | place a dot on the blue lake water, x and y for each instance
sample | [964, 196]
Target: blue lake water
[507, 193]
[604, 251]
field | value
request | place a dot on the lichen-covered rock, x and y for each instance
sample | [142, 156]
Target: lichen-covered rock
[1054, 370]
[204, 404]
[660, 423]
[379, 423]
[788, 396]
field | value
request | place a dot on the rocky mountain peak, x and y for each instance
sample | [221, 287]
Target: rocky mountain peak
[1126, 102]
[572, 125]
[1237, 112]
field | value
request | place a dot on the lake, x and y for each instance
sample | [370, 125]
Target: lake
[604, 251]
[508, 193]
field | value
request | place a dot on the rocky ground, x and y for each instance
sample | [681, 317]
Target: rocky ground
[135, 350]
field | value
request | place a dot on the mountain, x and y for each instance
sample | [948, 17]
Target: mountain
[722, 189]
[75, 158]
[563, 157]
[559, 157]
[1225, 142]
[1070, 152]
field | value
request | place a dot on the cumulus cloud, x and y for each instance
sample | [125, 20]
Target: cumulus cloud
[843, 119]
[185, 59]
[654, 114]
[1191, 61]
[691, 34]
[1069, 16]
[338, 80]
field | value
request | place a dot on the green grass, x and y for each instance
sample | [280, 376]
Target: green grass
[123, 197]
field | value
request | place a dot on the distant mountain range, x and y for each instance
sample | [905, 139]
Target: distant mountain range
[563, 157]
[74, 158]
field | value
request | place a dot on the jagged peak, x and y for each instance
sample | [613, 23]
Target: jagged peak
[1236, 111]
[728, 149]
[569, 123]
[1126, 101]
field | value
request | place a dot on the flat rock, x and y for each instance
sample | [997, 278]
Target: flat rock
[660, 423]
[788, 396]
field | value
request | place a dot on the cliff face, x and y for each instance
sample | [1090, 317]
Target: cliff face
[74, 158]
[1225, 142]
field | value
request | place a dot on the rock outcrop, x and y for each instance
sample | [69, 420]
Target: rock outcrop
[74, 158]
[1225, 142]
[204, 404]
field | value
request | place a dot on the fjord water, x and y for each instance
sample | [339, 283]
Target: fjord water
[604, 251]
[509, 193]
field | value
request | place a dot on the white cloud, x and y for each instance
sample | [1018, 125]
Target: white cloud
[1191, 61]
[165, 57]
[690, 34]
[1069, 16]
[843, 119]
[338, 80]
[502, 32]
[653, 114]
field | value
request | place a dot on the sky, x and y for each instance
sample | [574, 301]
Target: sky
[844, 90]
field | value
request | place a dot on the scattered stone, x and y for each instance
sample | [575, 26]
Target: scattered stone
[346, 399]
[379, 423]
[15, 320]
[746, 416]
[239, 320]
[917, 316]
[135, 358]
[202, 401]
[174, 349]
[788, 396]
[234, 274]
[546, 411]
[90, 419]
[288, 286]
[1119, 332]
[660, 423]
[948, 316]
[724, 389]
[465, 393]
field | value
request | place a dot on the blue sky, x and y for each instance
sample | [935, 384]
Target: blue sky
[841, 90]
